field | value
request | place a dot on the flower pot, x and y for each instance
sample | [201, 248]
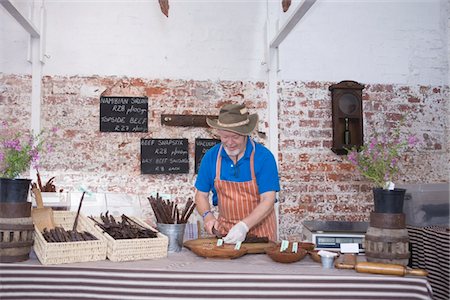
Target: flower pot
[388, 201]
[14, 190]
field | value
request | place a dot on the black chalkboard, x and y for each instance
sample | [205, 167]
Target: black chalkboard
[123, 114]
[164, 156]
[201, 146]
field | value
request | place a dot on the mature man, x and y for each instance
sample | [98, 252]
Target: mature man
[243, 177]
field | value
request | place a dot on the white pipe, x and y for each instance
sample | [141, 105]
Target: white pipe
[272, 82]
[36, 74]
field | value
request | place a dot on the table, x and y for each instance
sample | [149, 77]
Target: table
[430, 250]
[184, 275]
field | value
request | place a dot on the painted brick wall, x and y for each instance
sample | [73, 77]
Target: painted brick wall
[111, 161]
[15, 99]
[316, 183]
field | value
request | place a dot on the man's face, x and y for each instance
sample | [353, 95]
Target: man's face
[233, 143]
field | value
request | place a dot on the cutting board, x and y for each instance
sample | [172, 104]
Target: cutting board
[212, 251]
[252, 248]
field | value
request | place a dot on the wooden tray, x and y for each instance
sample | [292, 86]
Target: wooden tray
[252, 248]
[212, 251]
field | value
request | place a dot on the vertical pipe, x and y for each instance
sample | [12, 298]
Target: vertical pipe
[272, 82]
[36, 81]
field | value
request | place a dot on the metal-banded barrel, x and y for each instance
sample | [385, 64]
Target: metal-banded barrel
[16, 231]
[386, 239]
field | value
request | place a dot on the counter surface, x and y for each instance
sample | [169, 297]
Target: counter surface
[184, 275]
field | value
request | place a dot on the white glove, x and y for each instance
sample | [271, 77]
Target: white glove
[237, 233]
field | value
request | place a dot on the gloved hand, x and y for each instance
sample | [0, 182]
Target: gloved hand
[237, 233]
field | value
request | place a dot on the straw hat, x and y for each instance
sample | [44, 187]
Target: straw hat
[234, 118]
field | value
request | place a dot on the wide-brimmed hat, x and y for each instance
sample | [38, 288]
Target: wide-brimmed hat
[234, 118]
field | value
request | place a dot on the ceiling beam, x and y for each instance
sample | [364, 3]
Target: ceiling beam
[298, 14]
[16, 14]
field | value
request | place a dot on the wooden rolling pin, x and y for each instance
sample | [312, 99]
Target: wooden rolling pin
[383, 269]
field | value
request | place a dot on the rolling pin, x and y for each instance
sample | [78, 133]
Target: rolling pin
[383, 269]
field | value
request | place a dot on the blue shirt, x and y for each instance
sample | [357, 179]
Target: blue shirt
[265, 169]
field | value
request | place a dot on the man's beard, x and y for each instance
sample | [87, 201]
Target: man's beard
[233, 152]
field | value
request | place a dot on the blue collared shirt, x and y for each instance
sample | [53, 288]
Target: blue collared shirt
[265, 169]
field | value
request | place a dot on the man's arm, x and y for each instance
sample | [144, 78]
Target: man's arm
[261, 211]
[202, 204]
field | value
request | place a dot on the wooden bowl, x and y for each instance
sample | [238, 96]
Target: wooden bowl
[212, 251]
[315, 256]
[286, 256]
[307, 246]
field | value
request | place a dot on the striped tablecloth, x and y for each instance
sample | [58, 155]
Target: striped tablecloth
[430, 250]
[186, 276]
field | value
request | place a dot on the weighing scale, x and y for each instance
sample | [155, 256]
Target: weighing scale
[328, 235]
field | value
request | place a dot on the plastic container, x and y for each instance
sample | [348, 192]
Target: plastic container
[55, 200]
[426, 204]
[327, 262]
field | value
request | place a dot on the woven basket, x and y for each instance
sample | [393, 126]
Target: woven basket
[135, 249]
[70, 252]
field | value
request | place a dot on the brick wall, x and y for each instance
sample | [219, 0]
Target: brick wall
[316, 183]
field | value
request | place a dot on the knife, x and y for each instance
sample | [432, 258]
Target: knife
[216, 233]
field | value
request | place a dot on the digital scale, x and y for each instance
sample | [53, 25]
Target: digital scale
[328, 235]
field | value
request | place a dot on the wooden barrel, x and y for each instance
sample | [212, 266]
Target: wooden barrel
[386, 239]
[16, 231]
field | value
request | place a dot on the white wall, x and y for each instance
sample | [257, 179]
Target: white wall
[14, 42]
[371, 41]
[200, 39]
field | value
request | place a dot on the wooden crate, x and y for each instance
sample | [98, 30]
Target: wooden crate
[70, 252]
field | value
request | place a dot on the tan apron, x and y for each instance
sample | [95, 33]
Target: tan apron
[238, 199]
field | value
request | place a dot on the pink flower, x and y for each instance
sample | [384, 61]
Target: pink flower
[352, 157]
[373, 143]
[378, 160]
[412, 140]
[13, 144]
[18, 151]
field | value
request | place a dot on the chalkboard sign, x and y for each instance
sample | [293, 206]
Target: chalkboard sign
[201, 146]
[164, 156]
[123, 114]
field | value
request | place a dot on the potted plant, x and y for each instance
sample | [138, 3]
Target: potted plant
[18, 152]
[378, 161]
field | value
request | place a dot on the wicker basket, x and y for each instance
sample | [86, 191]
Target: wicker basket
[136, 249]
[71, 252]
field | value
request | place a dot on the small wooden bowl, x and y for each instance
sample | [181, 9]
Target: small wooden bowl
[212, 251]
[287, 256]
[307, 246]
[315, 256]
